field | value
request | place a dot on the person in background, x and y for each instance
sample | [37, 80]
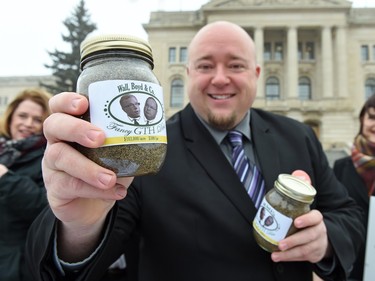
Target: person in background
[150, 110]
[357, 171]
[130, 106]
[194, 217]
[22, 191]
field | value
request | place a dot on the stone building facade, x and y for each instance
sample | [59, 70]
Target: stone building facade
[11, 86]
[317, 58]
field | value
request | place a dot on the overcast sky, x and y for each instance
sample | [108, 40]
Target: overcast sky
[30, 28]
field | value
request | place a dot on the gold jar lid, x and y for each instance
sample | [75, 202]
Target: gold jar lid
[103, 42]
[295, 188]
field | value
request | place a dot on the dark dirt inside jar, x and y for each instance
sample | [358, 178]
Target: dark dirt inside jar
[128, 160]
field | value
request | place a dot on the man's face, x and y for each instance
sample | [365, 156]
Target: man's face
[131, 107]
[368, 129]
[222, 75]
[150, 109]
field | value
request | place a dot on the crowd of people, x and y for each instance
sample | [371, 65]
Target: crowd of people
[192, 220]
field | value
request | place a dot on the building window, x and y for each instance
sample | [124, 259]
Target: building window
[369, 87]
[177, 93]
[364, 53]
[172, 55]
[267, 55]
[273, 51]
[272, 88]
[3, 101]
[306, 51]
[310, 52]
[278, 51]
[183, 54]
[304, 88]
[300, 51]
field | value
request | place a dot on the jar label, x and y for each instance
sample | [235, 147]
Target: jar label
[128, 111]
[270, 224]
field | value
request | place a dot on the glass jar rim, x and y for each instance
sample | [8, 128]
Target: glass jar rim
[295, 188]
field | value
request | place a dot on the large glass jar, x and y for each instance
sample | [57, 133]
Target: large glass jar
[289, 198]
[126, 101]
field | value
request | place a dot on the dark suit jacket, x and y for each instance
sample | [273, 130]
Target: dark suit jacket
[195, 217]
[346, 173]
[22, 198]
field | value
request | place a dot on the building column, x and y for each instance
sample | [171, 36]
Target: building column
[292, 63]
[341, 62]
[327, 62]
[259, 45]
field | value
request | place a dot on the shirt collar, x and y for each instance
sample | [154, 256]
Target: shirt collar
[219, 135]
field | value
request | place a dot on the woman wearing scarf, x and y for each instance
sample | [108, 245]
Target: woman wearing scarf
[357, 171]
[22, 192]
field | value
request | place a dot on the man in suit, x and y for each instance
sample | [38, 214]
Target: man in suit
[130, 106]
[194, 218]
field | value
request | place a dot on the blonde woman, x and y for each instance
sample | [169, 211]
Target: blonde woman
[22, 192]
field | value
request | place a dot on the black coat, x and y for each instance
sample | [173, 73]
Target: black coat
[22, 198]
[195, 217]
[346, 173]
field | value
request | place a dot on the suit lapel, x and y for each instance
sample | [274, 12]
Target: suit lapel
[266, 149]
[206, 151]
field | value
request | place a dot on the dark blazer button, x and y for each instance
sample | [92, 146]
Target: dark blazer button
[280, 268]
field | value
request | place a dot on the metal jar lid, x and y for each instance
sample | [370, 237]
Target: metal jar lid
[104, 42]
[295, 188]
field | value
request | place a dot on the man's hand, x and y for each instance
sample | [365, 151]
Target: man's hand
[80, 192]
[3, 170]
[310, 243]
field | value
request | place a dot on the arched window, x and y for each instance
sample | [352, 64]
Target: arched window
[177, 93]
[369, 87]
[304, 88]
[272, 88]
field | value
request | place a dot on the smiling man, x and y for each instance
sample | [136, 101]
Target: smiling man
[194, 218]
[150, 109]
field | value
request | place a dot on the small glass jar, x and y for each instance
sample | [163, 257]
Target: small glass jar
[125, 101]
[290, 197]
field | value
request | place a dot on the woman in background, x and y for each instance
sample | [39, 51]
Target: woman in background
[22, 192]
[357, 171]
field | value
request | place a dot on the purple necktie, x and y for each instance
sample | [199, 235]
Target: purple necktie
[246, 171]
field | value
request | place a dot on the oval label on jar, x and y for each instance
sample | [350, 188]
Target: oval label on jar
[271, 224]
[128, 111]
